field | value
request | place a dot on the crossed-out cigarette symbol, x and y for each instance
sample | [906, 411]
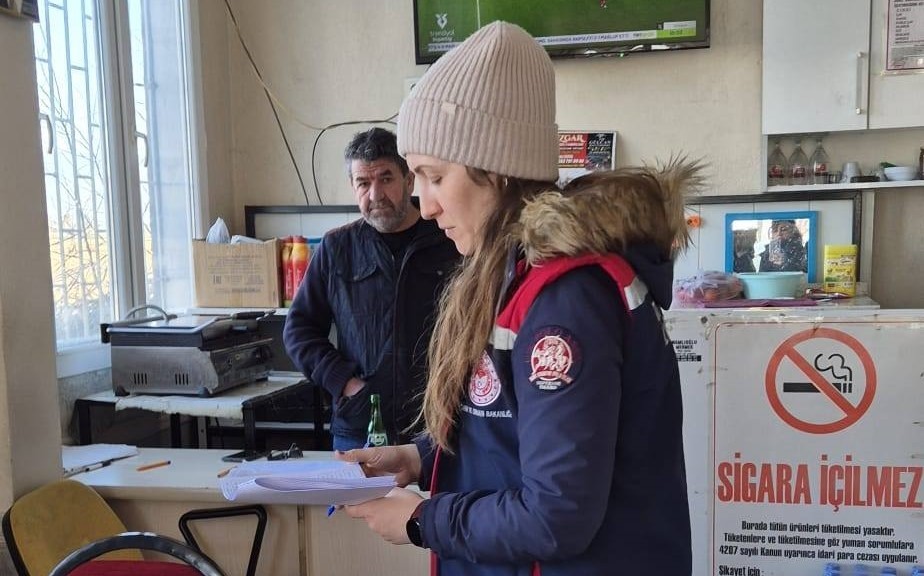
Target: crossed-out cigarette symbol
[841, 375]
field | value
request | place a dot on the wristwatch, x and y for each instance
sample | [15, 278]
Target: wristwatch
[413, 526]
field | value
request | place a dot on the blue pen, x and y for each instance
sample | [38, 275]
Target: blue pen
[331, 509]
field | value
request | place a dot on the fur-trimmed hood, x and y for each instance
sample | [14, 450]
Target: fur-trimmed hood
[635, 212]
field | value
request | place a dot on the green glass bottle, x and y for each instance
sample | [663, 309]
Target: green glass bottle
[377, 434]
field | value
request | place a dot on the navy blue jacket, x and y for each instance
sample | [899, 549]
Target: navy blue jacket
[383, 311]
[568, 454]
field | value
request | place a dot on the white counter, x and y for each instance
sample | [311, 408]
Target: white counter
[299, 540]
[822, 306]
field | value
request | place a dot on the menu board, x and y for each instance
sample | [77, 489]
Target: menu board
[905, 45]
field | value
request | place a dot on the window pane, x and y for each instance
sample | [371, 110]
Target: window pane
[77, 184]
[164, 151]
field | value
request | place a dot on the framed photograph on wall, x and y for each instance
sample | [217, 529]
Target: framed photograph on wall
[771, 242]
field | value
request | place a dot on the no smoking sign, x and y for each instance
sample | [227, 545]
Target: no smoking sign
[820, 381]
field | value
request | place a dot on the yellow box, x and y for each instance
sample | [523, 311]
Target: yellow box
[840, 270]
[236, 275]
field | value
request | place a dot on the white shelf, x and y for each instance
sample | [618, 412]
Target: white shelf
[851, 186]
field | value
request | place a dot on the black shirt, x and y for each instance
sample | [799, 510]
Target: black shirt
[399, 241]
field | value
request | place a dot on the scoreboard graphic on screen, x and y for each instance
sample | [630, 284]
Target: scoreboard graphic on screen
[566, 27]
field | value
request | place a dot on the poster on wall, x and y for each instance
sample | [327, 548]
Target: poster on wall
[817, 447]
[905, 39]
[582, 152]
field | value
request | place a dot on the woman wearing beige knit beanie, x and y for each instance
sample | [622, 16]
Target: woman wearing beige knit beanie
[552, 409]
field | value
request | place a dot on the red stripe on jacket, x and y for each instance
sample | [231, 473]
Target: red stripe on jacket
[539, 277]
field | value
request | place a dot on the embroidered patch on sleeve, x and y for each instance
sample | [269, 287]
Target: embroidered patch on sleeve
[554, 359]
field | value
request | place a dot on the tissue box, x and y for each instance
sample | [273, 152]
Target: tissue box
[236, 275]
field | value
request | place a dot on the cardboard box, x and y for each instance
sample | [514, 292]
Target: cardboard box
[236, 275]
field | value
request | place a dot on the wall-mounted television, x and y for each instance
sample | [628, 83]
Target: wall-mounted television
[567, 28]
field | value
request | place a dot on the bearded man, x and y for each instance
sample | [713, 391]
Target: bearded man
[378, 280]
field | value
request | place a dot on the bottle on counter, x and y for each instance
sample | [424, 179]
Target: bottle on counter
[819, 162]
[299, 263]
[377, 435]
[921, 164]
[286, 260]
[777, 166]
[798, 166]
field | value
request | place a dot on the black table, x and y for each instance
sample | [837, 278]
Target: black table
[239, 403]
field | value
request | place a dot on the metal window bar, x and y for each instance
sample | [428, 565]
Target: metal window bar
[51, 90]
[77, 234]
[79, 230]
[52, 115]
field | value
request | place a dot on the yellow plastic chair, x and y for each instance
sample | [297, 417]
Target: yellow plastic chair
[50, 523]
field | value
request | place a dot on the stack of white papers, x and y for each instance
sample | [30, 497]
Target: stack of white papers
[303, 482]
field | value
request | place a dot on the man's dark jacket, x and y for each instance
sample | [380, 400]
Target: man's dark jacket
[383, 311]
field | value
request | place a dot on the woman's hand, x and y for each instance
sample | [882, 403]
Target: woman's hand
[401, 461]
[388, 516]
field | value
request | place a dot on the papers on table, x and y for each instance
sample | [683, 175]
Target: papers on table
[77, 459]
[303, 482]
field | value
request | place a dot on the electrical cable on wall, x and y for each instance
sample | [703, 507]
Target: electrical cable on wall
[275, 102]
[314, 148]
[272, 104]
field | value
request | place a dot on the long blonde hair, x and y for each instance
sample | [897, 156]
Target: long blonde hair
[469, 305]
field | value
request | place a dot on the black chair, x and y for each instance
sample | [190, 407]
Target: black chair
[137, 541]
[210, 513]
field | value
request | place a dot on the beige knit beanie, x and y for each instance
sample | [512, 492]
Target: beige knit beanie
[488, 103]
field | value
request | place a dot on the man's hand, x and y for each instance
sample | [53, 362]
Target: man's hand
[352, 386]
[388, 516]
[401, 461]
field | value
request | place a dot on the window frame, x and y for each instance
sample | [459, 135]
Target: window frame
[127, 248]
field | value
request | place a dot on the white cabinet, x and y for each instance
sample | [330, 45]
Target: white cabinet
[822, 69]
[816, 65]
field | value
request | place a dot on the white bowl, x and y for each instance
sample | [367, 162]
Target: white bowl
[901, 173]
